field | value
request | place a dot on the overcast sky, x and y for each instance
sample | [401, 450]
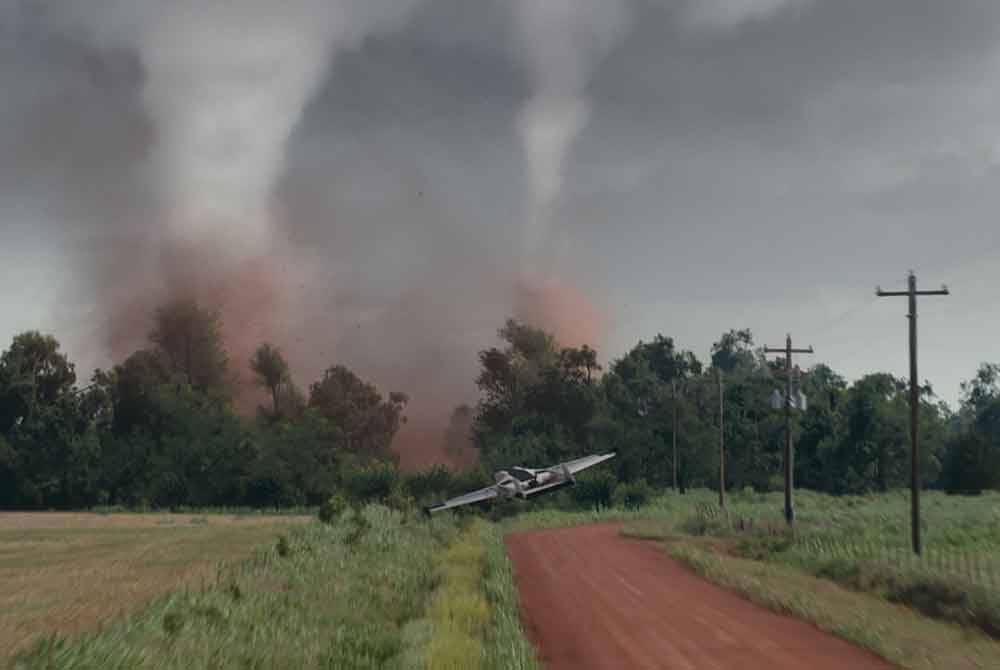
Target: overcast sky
[730, 164]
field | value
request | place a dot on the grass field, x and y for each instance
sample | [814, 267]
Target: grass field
[63, 573]
[374, 589]
[378, 588]
[833, 536]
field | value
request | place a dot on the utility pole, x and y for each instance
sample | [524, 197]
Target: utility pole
[722, 442]
[789, 455]
[673, 386]
[912, 294]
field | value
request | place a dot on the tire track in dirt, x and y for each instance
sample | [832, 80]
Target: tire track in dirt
[592, 599]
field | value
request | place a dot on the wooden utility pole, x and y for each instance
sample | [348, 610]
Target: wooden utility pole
[722, 442]
[912, 294]
[673, 386]
[789, 454]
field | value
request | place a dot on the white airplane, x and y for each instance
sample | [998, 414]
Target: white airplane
[524, 482]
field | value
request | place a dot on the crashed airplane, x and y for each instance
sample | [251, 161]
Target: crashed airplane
[524, 482]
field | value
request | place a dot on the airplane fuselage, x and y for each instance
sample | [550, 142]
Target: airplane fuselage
[519, 481]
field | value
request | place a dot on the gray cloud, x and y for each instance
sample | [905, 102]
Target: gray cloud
[561, 41]
[761, 164]
[728, 15]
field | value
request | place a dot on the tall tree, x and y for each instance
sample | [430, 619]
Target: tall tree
[873, 453]
[733, 350]
[971, 461]
[637, 419]
[191, 339]
[47, 441]
[271, 370]
[822, 429]
[367, 421]
[33, 373]
[507, 374]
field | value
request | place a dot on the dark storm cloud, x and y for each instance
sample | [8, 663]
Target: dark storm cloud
[763, 73]
[71, 124]
[77, 198]
[758, 163]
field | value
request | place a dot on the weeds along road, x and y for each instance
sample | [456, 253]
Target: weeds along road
[592, 599]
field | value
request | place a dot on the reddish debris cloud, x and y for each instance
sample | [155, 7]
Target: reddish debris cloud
[248, 294]
[561, 309]
[422, 347]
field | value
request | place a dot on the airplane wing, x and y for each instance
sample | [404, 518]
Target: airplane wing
[548, 487]
[579, 464]
[466, 499]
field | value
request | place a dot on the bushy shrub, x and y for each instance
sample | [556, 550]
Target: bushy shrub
[400, 499]
[707, 519]
[499, 510]
[359, 526]
[763, 547]
[430, 483]
[469, 480]
[173, 622]
[945, 598]
[332, 508]
[372, 483]
[594, 490]
[633, 495]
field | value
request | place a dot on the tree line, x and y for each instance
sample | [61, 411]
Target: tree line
[162, 428]
[542, 403]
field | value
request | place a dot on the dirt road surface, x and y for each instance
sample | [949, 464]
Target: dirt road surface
[592, 599]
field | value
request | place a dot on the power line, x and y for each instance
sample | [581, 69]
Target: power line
[847, 315]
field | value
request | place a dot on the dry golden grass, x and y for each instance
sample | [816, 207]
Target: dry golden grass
[66, 573]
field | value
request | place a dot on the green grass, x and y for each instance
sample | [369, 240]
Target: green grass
[961, 535]
[506, 646]
[381, 589]
[458, 610]
[338, 598]
[299, 510]
[664, 508]
[896, 633]
[863, 543]
[473, 619]
[374, 589]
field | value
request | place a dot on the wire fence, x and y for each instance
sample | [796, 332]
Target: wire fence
[975, 565]
[974, 562]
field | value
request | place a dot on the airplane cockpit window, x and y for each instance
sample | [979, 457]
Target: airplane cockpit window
[521, 474]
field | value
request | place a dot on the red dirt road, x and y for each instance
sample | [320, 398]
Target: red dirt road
[591, 599]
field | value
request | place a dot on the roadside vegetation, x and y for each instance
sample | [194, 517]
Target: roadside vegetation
[863, 543]
[896, 633]
[373, 588]
[473, 611]
[848, 563]
[847, 568]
